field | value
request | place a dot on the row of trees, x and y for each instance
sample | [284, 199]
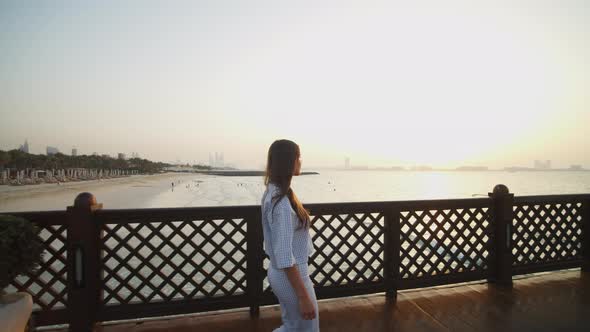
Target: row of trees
[22, 160]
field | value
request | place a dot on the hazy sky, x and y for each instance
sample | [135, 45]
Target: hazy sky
[444, 83]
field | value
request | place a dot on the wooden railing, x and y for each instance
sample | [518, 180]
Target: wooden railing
[103, 265]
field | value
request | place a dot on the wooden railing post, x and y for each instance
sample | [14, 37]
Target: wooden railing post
[586, 235]
[254, 260]
[83, 250]
[501, 237]
[391, 255]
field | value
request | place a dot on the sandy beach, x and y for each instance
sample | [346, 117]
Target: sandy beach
[113, 193]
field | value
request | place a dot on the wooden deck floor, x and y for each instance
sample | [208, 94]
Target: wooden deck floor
[558, 301]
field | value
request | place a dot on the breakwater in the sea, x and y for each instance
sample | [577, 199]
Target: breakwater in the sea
[244, 173]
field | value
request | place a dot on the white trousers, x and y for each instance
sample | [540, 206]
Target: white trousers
[290, 314]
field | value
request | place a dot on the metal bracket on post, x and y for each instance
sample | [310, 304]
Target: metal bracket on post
[79, 277]
[501, 236]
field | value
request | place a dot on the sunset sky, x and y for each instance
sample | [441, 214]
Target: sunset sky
[440, 83]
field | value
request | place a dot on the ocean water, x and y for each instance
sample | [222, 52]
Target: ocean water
[329, 186]
[389, 185]
[362, 186]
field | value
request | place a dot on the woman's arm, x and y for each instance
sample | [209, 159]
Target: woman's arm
[306, 306]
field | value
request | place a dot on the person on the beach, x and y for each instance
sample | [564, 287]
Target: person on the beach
[287, 242]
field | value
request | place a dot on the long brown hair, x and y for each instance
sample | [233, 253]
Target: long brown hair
[280, 166]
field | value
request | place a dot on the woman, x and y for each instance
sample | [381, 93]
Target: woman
[285, 225]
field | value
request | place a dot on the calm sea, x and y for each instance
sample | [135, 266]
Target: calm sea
[363, 186]
[329, 186]
[338, 186]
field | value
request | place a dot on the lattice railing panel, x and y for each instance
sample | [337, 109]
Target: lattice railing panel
[48, 284]
[444, 241]
[544, 233]
[348, 250]
[162, 261]
[265, 284]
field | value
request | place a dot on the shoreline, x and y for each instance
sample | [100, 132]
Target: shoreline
[197, 189]
[15, 196]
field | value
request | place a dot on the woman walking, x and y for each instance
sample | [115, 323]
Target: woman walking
[285, 225]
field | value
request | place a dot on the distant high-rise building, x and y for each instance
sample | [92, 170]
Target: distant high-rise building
[218, 161]
[346, 163]
[74, 152]
[539, 164]
[25, 147]
[121, 156]
[134, 155]
[51, 150]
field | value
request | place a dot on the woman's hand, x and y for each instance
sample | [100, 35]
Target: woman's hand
[306, 305]
[306, 308]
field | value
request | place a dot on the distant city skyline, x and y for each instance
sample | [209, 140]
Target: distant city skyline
[51, 150]
[216, 160]
[486, 83]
